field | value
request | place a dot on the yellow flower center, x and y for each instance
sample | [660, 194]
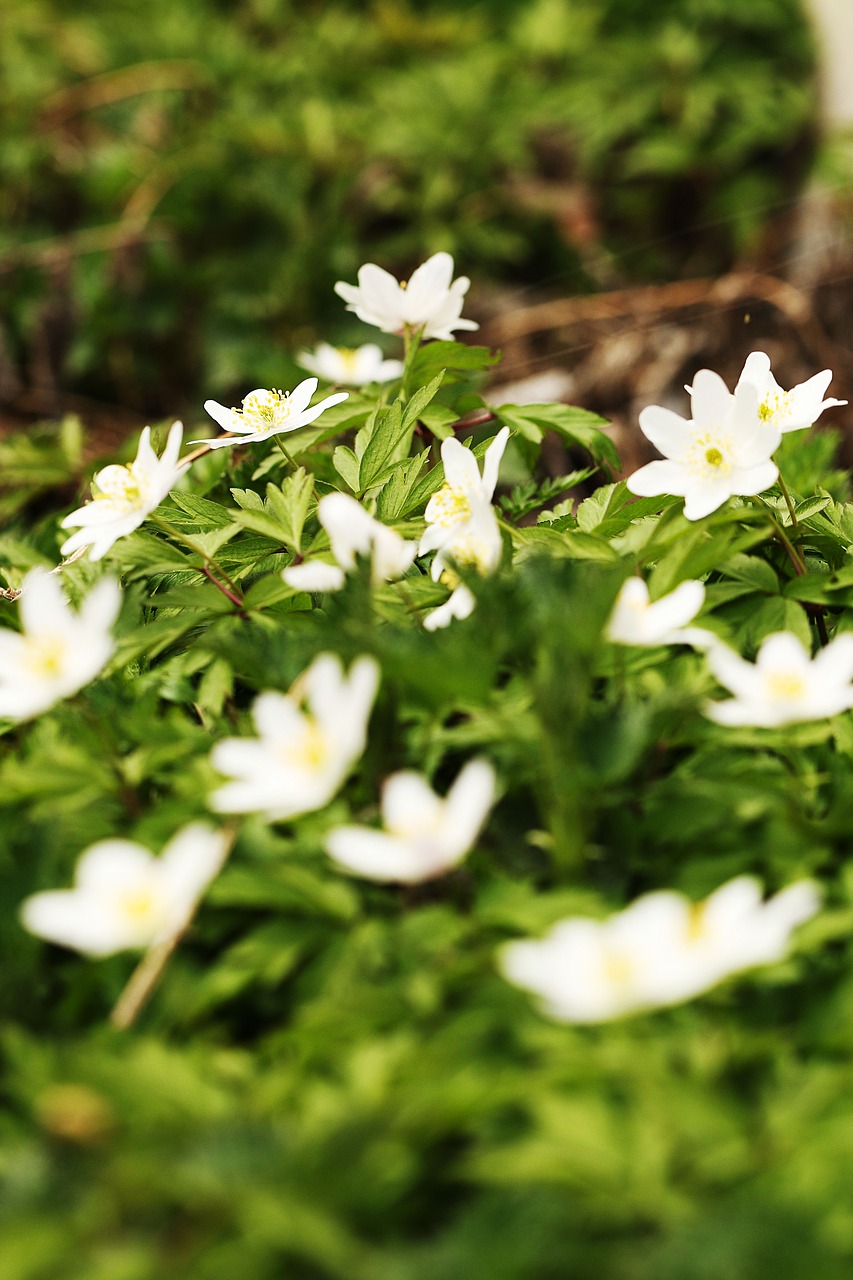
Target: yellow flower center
[776, 403]
[448, 507]
[710, 455]
[45, 657]
[140, 905]
[786, 685]
[617, 968]
[697, 924]
[349, 358]
[310, 750]
[123, 488]
[264, 410]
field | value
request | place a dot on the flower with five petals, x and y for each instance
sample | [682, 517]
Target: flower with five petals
[59, 650]
[124, 897]
[784, 685]
[308, 740]
[350, 367]
[724, 449]
[122, 497]
[430, 301]
[265, 414]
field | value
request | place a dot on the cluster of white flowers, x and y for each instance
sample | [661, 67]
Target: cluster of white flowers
[726, 447]
[661, 950]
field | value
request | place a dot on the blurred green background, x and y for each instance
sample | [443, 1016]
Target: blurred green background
[185, 181]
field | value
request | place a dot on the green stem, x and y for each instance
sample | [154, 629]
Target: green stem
[210, 563]
[281, 446]
[789, 501]
[799, 566]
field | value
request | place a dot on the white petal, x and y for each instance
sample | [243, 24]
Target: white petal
[666, 430]
[711, 401]
[80, 920]
[377, 856]
[492, 462]
[314, 576]
[468, 803]
[657, 478]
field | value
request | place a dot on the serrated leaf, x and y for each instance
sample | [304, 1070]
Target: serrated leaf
[577, 425]
[450, 355]
[347, 466]
[290, 505]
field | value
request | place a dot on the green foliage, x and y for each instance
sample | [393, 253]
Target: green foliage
[534, 140]
[332, 1080]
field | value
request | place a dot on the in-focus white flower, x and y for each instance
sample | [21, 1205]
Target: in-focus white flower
[784, 685]
[123, 496]
[787, 410]
[661, 950]
[308, 740]
[268, 413]
[124, 897]
[636, 620]
[352, 532]
[59, 650]
[725, 449]
[424, 836]
[427, 301]
[461, 524]
[350, 366]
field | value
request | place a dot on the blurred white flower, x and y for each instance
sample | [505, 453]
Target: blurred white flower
[784, 685]
[460, 604]
[428, 300]
[59, 650]
[352, 532]
[661, 950]
[635, 620]
[308, 740]
[724, 450]
[268, 413]
[424, 836]
[123, 496]
[787, 410]
[350, 366]
[124, 897]
[461, 524]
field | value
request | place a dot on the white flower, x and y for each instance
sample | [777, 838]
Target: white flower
[636, 620]
[428, 300]
[460, 604]
[123, 496]
[661, 950]
[350, 367]
[725, 449]
[461, 523]
[59, 650]
[268, 413]
[308, 740]
[424, 836]
[787, 410]
[352, 532]
[784, 684]
[124, 897]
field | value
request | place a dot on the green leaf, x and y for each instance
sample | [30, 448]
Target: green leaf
[290, 505]
[347, 466]
[576, 425]
[445, 355]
